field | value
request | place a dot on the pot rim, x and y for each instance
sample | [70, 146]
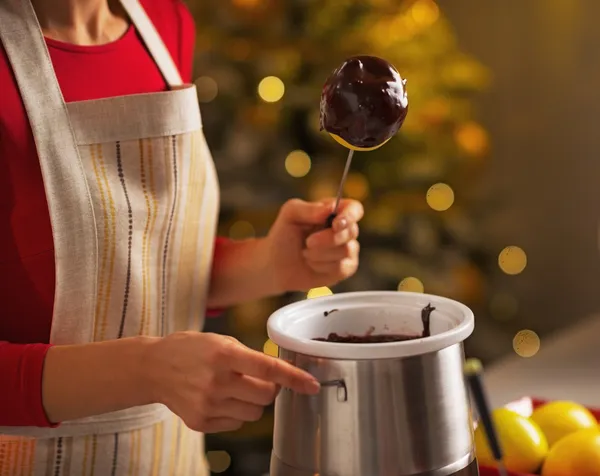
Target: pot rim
[279, 334]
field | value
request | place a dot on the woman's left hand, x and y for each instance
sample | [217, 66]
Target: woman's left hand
[302, 254]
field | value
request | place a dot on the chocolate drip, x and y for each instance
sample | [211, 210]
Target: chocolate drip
[364, 102]
[426, 318]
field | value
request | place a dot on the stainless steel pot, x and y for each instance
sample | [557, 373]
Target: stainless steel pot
[392, 409]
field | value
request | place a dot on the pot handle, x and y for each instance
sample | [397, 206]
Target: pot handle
[342, 390]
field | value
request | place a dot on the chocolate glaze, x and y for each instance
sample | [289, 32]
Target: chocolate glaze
[364, 101]
[370, 338]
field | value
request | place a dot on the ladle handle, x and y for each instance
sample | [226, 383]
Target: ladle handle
[473, 373]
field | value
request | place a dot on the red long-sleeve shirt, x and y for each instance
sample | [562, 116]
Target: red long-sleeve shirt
[27, 268]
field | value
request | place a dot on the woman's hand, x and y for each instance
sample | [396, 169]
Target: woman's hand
[303, 255]
[214, 383]
[298, 254]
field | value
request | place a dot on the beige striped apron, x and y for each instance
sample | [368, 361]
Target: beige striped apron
[133, 200]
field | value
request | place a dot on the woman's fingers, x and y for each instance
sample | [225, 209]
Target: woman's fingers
[331, 238]
[256, 364]
[335, 254]
[236, 410]
[220, 425]
[251, 390]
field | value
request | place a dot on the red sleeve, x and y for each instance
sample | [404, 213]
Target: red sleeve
[216, 255]
[21, 367]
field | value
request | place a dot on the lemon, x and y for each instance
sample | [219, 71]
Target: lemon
[559, 419]
[350, 146]
[577, 454]
[523, 443]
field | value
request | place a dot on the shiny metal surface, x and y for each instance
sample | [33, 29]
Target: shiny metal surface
[401, 417]
[280, 469]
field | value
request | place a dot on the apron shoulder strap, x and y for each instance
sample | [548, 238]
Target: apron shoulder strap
[55, 141]
[153, 42]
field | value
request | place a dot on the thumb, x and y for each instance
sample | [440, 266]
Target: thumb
[301, 212]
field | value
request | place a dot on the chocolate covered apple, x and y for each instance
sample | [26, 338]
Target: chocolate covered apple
[363, 103]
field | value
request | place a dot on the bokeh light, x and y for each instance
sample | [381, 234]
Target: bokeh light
[526, 343]
[246, 3]
[411, 284]
[242, 230]
[472, 139]
[425, 12]
[319, 292]
[218, 461]
[512, 260]
[271, 348]
[356, 186]
[207, 88]
[440, 197]
[297, 163]
[271, 89]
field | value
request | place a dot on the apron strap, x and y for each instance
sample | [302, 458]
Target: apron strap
[153, 42]
[55, 140]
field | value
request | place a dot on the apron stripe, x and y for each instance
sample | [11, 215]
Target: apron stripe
[168, 234]
[129, 239]
[163, 231]
[19, 450]
[68, 455]
[58, 459]
[99, 300]
[182, 455]
[145, 272]
[110, 225]
[4, 453]
[94, 450]
[32, 448]
[86, 451]
[174, 444]
[158, 445]
[50, 458]
[115, 456]
[138, 452]
[191, 229]
[152, 187]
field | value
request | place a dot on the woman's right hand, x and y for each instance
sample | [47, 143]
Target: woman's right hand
[214, 383]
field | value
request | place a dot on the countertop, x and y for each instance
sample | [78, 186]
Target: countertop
[567, 367]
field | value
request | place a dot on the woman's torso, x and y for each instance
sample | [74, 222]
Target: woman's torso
[112, 169]
[27, 268]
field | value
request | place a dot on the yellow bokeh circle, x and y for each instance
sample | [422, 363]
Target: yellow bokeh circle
[242, 230]
[411, 284]
[218, 461]
[319, 292]
[271, 89]
[440, 197]
[425, 12]
[207, 89]
[512, 260]
[297, 163]
[526, 343]
[271, 348]
[356, 186]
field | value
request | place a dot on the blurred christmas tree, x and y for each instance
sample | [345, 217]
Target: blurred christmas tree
[261, 66]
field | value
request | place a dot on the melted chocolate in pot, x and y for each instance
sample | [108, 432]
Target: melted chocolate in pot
[370, 338]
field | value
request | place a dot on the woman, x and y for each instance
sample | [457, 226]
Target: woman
[108, 259]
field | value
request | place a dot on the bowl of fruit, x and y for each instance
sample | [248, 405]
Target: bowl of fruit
[544, 438]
